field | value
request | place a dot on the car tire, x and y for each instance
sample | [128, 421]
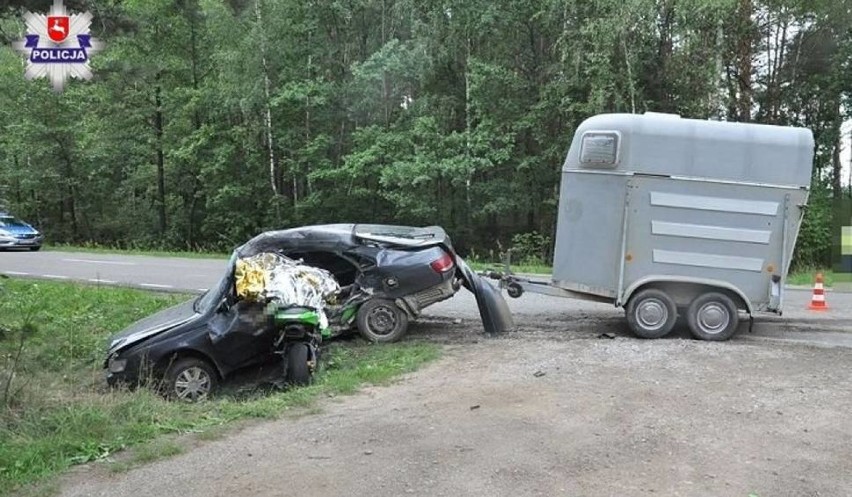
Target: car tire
[35, 249]
[298, 370]
[651, 313]
[713, 316]
[382, 321]
[191, 380]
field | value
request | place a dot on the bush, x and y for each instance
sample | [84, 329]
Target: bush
[531, 248]
[813, 247]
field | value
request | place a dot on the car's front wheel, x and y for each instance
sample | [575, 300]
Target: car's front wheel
[380, 320]
[190, 379]
[35, 249]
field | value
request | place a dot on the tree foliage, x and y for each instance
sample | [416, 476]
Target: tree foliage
[208, 120]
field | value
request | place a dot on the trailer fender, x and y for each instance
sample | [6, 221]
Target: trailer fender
[662, 280]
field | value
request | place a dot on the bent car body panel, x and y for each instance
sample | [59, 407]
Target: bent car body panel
[496, 317]
[402, 236]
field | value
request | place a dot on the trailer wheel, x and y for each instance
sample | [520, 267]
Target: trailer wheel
[713, 316]
[651, 313]
[515, 290]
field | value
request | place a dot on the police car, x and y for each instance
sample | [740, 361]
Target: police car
[15, 233]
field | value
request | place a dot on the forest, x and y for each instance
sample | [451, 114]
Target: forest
[208, 121]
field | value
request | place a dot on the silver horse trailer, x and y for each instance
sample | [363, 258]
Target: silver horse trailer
[664, 216]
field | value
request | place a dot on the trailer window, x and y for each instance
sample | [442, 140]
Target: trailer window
[599, 148]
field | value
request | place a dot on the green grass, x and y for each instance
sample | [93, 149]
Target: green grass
[805, 277]
[148, 452]
[61, 414]
[517, 269]
[97, 249]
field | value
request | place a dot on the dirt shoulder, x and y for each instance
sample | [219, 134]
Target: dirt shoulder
[545, 414]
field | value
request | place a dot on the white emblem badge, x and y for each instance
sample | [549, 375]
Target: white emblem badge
[58, 45]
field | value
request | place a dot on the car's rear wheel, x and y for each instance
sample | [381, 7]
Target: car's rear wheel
[190, 379]
[380, 320]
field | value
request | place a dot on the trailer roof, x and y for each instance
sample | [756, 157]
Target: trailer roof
[666, 144]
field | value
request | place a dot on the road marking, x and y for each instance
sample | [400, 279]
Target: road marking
[93, 261]
[154, 285]
[202, 289]
[107, 282]
[54, 276]
[16, 273]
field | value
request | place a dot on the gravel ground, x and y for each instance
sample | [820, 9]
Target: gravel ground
[545, 412]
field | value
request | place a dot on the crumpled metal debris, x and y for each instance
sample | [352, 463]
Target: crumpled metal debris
[269, 277]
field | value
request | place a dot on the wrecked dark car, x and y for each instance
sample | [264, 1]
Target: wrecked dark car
[384, 277]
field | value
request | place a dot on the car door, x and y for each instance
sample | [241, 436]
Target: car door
[241, 334]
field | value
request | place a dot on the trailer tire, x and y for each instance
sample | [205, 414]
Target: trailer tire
[651, 313]
[713, 316]
[515, 290]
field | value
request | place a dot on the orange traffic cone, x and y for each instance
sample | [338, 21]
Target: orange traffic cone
[818, 302]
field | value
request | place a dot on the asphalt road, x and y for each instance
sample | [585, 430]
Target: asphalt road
[156, 273]
[196, 275]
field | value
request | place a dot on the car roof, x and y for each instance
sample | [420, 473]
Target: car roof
[342, 237]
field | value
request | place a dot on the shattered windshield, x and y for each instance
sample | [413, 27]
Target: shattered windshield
[211, 297]
[11, 222]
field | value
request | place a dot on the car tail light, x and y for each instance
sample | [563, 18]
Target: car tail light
[442, 265]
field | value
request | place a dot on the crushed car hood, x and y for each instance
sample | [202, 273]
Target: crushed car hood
[152, 325]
